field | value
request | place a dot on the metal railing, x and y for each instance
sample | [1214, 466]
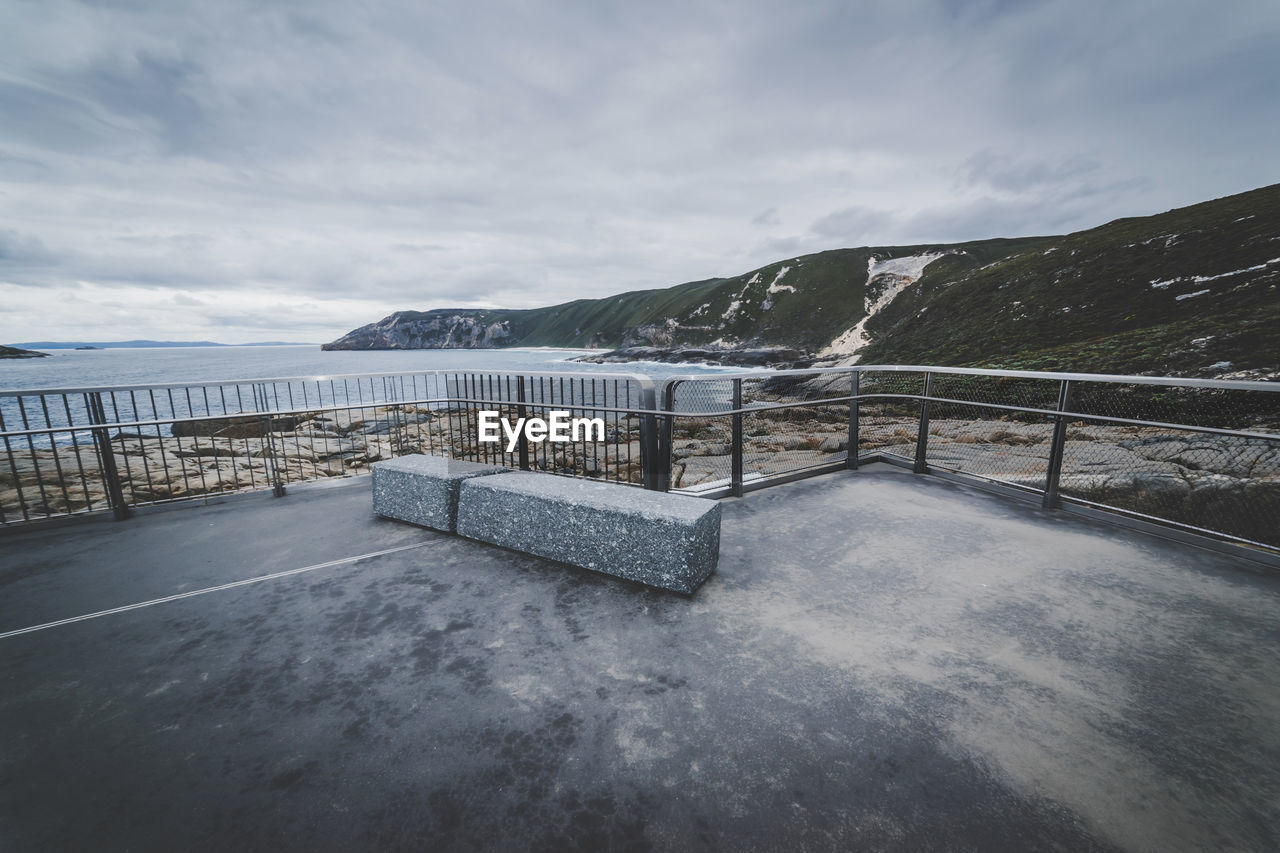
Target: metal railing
[1202, 456]
[71, 451]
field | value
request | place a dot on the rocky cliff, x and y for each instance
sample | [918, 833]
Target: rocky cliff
[442, 329]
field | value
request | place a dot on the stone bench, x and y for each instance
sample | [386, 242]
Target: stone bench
[423, 489]
[660, 539]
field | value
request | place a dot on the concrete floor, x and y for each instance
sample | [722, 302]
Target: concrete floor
[882, 661]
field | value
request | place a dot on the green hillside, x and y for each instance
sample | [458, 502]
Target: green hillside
[1177, 292]
[1191, 291]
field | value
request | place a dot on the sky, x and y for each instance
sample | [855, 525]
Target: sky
[247, 170]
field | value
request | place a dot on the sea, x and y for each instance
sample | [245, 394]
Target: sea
[313, 371]
[179, 365]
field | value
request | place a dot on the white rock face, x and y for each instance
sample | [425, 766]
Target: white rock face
[776, 286]
[885, 280]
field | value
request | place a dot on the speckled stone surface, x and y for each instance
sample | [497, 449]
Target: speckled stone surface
[423, 489]
[663, 540]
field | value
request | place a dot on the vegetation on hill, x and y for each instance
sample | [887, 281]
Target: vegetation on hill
[14, 352]
[1194, 290]
[1191, 291]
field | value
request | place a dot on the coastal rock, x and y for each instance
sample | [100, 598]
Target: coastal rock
[239, 426]
[14, 352]
[775, 357]
[442, 329]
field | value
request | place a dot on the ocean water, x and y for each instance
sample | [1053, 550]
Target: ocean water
[175, 365]
[316, 379]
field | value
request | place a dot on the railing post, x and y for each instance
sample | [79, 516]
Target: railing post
[922, 436]
[666, 424]
[273, 464]
[1056, 448]
[395, 412]
[735, 472]
[851, 462]
[520, 413]
[106, 456]
[649, 437]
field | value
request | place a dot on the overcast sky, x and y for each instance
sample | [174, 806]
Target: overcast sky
[253, 170]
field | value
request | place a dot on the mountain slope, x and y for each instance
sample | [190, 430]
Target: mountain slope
[1192, 291]
[1181, 292]
[802, 303]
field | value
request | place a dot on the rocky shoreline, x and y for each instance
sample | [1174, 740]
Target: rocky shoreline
[1220, 483]
[779, 358]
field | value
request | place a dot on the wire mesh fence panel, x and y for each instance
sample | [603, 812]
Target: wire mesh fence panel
[784, 441]
[702, 443]
[986, 443]
[795, 387]
[1219, 408]
[888, 414]
[1012, 393]
[785, 427]
[992, 434]
[778, 441]
[1211, 481]
[701, 453]
[1219, 483]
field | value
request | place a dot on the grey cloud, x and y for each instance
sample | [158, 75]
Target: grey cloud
[767, 217]
[1006, 172]
[20, 250]
[851, 225]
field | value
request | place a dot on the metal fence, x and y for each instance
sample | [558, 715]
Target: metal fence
[70, 451]
[1199, 455]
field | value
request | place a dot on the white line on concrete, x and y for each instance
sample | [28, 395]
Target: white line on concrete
[208, 590]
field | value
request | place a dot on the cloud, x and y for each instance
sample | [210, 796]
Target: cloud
[1007, 173]
[767, 217]
[18, 249]
[850, 226]
[416, 156]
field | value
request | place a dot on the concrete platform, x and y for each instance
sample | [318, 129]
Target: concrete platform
[881, 661]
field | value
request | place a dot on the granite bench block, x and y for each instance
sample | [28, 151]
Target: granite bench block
[663, 540]
[423, 489]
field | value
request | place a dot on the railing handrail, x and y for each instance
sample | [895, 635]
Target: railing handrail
[1115, 378]
[463, 390]
[268, 414]
[647, 383]
[642, 380]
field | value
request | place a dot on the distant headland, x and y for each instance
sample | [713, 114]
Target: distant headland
[15, 352]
